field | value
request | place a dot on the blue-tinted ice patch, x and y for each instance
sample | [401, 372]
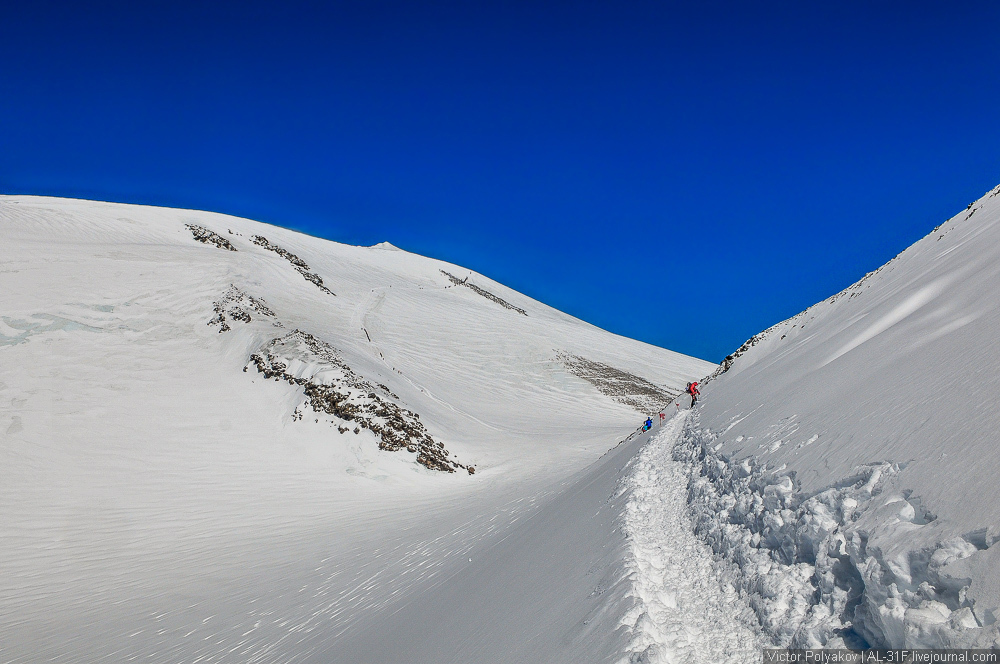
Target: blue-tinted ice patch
[17, 331]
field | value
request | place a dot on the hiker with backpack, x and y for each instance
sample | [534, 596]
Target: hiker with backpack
[692, 389]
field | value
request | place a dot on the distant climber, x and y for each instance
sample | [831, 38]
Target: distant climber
[692, 389]
[648, 425]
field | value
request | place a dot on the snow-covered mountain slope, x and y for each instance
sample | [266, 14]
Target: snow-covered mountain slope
[848, 459]
[605, 569]
[230, 441]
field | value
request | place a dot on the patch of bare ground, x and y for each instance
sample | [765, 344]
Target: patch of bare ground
[202, 234]
[482, 291]
[300, 265]
[333, 388]
[622, 386]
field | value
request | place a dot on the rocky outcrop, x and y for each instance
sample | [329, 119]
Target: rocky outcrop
[482, 291]
[300, 265]
[202, 234]
[237, 306]
[331, 387]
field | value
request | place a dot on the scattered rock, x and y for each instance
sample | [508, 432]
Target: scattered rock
[237, 305]
[625, 388]
[485, 293]
[202, 234]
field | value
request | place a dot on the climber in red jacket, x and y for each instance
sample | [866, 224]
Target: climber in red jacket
[693, 391]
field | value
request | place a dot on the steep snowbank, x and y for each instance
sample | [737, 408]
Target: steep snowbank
[846, 460]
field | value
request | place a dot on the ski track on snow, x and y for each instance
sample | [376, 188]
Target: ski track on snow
[684, 612]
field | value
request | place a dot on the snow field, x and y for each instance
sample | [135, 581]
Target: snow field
[158, 503]
[847, 461]
[685, 612]
[551, 587]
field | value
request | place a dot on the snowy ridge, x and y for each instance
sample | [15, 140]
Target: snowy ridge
[683, 610]
[844, 460]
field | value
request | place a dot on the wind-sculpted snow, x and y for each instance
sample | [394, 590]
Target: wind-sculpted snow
[333, 388]
[15, 331]
[847, 460]
[622, 386]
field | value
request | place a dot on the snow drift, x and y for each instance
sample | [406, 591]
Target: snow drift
[845, 461]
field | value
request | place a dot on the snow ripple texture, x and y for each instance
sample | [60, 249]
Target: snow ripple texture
[683, 612]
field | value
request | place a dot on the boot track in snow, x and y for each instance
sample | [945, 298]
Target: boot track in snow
[684, 612]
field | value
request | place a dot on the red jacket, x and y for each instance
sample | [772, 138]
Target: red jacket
[693, 389]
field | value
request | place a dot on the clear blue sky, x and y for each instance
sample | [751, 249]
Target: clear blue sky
[686, 174]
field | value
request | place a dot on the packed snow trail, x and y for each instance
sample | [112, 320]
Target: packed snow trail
[684, 612]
